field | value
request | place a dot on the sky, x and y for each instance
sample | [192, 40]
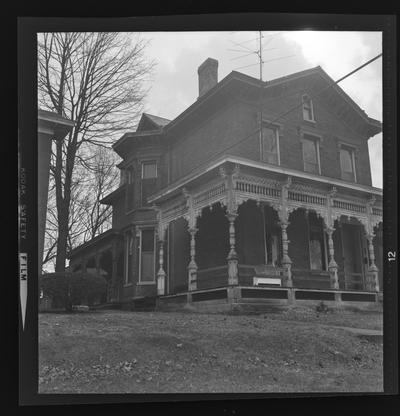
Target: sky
[174, 84]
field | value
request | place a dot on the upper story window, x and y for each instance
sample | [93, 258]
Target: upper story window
[347, 163]
[126, 176]
[149, 170]
[308, 110]
[311, 157]
[270, 144]
[149, 180]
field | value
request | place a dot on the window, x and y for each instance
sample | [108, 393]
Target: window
[308, 110]
[130, 189]
[126, 176]
[270, 145]
[147, 257]
[149, 170]
[347, 163]
[128, 258]
[149, 180]
[311, 154]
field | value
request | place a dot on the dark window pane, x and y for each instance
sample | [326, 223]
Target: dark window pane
[147, 267]
[346, 164]
[148, 240]
[307, 108]
[149, 170]
[310, 155]
[270, 145]
[310, 151]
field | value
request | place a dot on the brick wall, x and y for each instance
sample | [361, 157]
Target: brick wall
[233, 124]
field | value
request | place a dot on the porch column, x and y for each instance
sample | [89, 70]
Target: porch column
[232, 258]
[286, 262]
[373, 283]
[332, 266]
[161, 275]
[192, 267]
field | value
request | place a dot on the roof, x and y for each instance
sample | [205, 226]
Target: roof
[150, 122]
[160, 121]
[54, 124]
[243, 78]
[101, 237]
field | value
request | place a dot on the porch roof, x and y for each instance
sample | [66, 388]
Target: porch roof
[197, 173]
[101, 238]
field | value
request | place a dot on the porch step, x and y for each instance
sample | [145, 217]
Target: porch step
[144, 304]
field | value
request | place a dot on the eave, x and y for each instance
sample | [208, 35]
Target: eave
[108, 199]
[123, 145]
[52, 124]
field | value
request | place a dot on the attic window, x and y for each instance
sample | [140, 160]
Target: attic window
[308, 110]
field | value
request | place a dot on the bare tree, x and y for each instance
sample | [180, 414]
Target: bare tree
[96, 217]
[97, 81]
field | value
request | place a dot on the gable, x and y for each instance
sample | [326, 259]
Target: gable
[148, 122]
[322, 89]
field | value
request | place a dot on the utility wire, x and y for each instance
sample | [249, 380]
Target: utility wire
[290, 110]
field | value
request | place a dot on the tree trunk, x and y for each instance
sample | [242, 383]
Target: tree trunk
[62, 237]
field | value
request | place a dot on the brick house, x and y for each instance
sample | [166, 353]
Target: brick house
[239, 200]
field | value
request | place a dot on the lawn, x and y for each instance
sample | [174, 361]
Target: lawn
[158, 352]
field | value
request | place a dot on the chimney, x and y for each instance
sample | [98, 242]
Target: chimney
[208, 75]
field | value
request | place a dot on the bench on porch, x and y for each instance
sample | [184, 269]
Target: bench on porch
[261, 275]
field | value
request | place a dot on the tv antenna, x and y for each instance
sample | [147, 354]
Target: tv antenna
[246, 50]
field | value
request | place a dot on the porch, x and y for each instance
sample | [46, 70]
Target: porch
[248, 229]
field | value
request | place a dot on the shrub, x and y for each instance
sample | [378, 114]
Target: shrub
[67, 289]
[321, 307]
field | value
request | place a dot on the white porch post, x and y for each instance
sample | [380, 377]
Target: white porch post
[191, 219]
[284, 223]
[233, 278]
[161, 275]
[373, 283]
[332, 266]
[329, 221]
[373, 277]
[231, 215]
[286, 262]
[192, 267]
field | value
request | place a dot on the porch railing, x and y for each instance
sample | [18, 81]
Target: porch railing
[353, 281]
[310, 279]
[212, 277]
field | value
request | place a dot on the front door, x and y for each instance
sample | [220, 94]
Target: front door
[352, 257]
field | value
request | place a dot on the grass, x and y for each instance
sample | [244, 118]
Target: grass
[158, 352]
